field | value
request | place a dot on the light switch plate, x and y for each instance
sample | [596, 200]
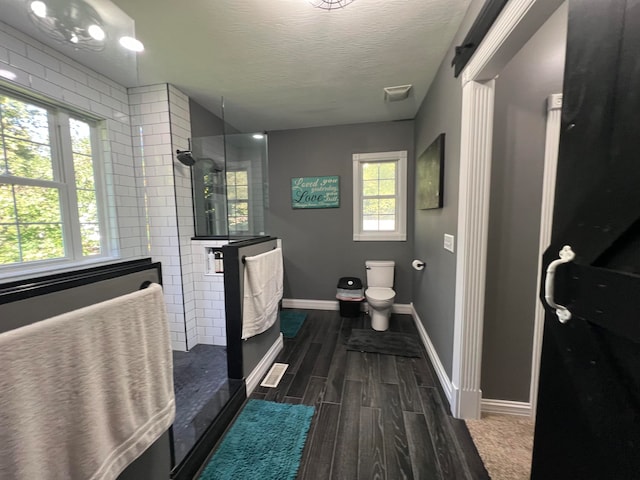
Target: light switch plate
[449, 242]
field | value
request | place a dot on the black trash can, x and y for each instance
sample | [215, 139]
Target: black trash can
[350, 294]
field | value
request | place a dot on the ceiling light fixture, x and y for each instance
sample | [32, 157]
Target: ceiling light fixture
[330, 4]
[258, 136]
[96, 32]
[39, 8]
[69, 21]
[132, 44]
[8, 74]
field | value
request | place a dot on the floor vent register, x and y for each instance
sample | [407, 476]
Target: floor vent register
[275, 374]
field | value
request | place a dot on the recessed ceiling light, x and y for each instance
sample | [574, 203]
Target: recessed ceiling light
[258, 136]
[96, 32]
[8, 74]
[39, 8]
[132, 44]
[74, 38]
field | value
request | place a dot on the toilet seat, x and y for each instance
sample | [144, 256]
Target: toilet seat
[381, 294]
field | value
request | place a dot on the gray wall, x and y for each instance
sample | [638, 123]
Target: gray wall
[434, 287]
[318, 244]
[514, 219]
[203, 122]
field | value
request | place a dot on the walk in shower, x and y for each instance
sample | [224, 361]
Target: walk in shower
[230, 196]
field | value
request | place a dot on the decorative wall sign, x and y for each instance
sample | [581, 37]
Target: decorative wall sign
[430, 175]
[315, 192]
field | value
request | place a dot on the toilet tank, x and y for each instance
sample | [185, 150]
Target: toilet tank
[380, 273]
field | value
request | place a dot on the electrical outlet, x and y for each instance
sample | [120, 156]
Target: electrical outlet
[449, 242]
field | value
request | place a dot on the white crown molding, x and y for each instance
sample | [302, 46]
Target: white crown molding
[552, 144]
[433, 355]
[253, 379]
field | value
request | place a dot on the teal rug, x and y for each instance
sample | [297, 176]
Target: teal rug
[290, 322]
[264, 443]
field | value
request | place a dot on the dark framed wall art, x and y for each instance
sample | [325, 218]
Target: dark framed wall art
[430, 176]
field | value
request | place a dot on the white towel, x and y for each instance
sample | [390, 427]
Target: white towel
[263, 276]
[84, 393]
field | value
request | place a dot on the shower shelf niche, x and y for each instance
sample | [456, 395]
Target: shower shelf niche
[213, 261]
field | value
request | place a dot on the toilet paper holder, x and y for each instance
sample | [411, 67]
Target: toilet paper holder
[418, 264]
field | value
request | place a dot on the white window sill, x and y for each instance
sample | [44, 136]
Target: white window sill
[380, 237]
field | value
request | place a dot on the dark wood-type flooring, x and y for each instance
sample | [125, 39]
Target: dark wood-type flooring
[377, 416]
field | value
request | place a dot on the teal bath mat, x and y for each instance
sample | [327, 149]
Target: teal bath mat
[290, 322]
[264, 443]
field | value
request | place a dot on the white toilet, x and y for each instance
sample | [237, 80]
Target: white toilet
[379, 292]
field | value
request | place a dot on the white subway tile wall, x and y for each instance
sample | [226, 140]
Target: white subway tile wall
[45, 72]
[180, 131]
[209, 296]
[149, 197]
[154, 153]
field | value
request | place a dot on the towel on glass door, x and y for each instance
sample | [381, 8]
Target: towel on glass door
[263, 277]
[85, 393]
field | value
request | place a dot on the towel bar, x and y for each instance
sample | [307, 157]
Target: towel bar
[244, 257]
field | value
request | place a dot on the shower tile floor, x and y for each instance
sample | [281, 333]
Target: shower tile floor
[202, 389]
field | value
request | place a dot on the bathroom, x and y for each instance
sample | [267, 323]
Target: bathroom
[152, 192]
[140, 123]
[148, 192]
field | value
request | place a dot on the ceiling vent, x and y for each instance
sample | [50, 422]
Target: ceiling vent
[395, 94]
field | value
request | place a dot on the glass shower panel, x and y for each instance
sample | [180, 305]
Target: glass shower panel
[247, 185]
[230, 186]
[209, 186]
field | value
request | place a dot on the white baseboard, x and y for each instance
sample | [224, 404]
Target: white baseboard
[310, 304]
[506, 407]
[402, 308]
[335, 305]
[445, 382]
[253, 379]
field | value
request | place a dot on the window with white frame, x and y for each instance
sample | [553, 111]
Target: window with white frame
[50, 199]
[238, 201]
[380, 196]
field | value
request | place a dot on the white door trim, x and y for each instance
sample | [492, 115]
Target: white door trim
[517, 22]
[551, 148]
[473, 225]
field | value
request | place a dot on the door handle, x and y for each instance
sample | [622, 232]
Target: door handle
[566, 255]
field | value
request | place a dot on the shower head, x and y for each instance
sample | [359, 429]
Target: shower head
[209, 165]
[185, 157]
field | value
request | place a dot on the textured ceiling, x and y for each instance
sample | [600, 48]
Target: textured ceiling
[283, 64]
[279, 64]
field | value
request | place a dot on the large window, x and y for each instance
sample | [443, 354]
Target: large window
[380, 196]
[238, 201]
[49, 197]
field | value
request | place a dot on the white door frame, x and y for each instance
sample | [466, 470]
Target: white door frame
[551, 148]
[517, 22]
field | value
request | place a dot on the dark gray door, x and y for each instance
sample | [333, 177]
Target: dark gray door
[588, 418]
